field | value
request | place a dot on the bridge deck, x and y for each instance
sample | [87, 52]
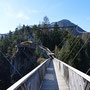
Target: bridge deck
[51, 82]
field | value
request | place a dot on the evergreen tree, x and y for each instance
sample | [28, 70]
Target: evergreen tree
[56, 27]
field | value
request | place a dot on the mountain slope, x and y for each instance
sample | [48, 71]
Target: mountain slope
[66, 22]
[63, 22]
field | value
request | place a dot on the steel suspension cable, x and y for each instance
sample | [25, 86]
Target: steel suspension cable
[28, 57]
[63, 39]
[10, 63]
[37, 45]
[72, 49]
[80, 50]
[71, 44]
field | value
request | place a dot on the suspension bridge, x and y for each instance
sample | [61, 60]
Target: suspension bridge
[53, 74]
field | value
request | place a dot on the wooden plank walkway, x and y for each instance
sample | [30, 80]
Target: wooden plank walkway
[50, 81]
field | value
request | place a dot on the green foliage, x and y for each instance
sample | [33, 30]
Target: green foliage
[67, 53]
[56, 27]
[49, 38]
[40, 60]
[46, 21]
[56, 51]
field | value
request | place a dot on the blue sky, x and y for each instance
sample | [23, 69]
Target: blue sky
[29, 12]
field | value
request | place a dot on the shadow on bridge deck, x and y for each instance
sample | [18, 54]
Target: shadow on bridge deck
[50, 81]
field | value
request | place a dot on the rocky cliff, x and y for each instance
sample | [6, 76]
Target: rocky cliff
[24, 61]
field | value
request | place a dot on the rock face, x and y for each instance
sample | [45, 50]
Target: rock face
[24, 61]
[4, 74]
